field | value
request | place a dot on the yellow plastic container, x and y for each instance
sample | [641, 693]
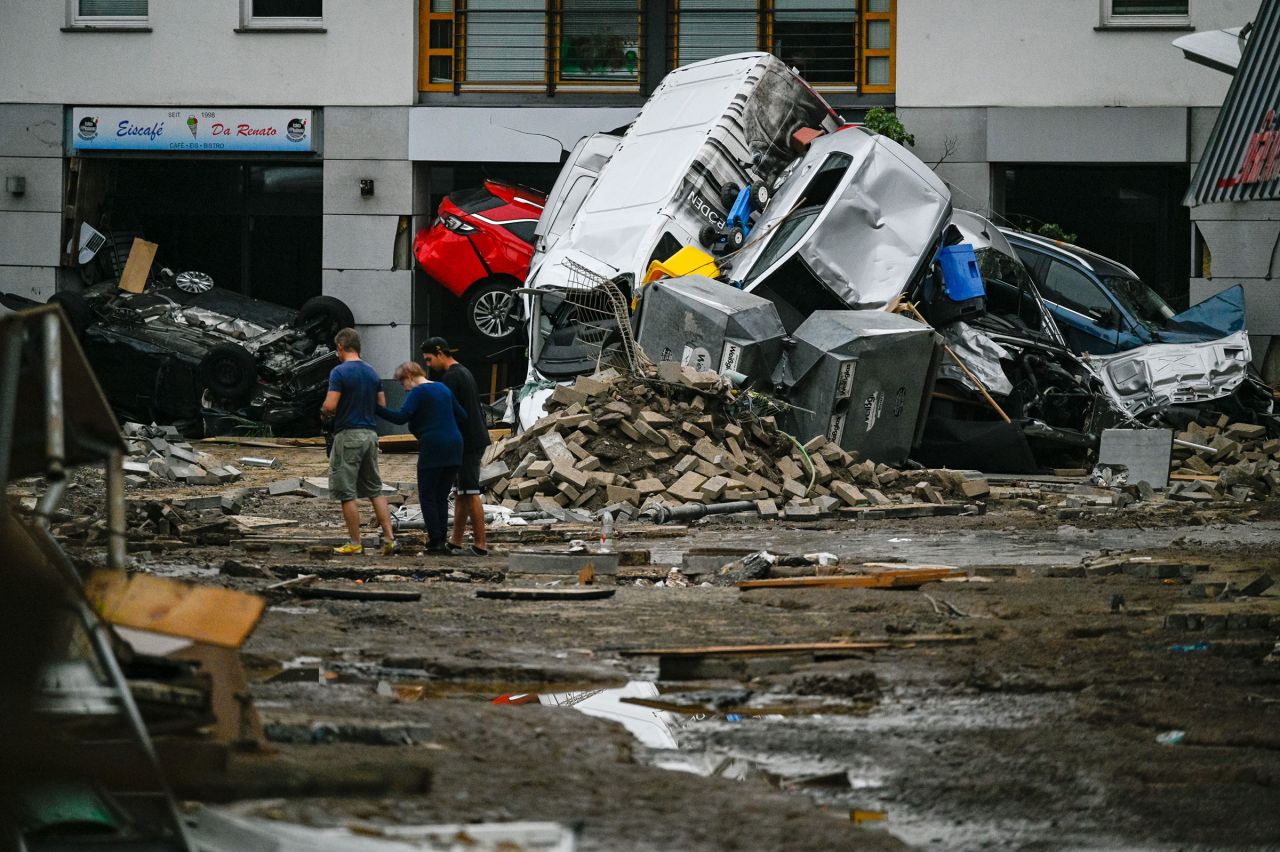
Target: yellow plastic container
[690, 260]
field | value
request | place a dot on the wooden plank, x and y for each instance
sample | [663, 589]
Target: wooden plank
[547, 594]
[800, 647]
[355, 594]
[883, 580]
[216, 616]
[398, 444]
[138, 266]
[1194, 477]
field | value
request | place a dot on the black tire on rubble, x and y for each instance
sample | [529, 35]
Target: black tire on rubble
[327, 314]
[229, 371]
[729, 195]
[77, 309]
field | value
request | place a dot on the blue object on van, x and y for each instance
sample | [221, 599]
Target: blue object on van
[961, 279]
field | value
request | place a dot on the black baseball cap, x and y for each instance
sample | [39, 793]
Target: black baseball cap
[432, 345]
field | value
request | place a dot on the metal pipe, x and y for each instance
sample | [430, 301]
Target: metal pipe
[55, 431]
[115, 510]
[694, 511]
[50, 499]
[9, 378]
[1200, 447]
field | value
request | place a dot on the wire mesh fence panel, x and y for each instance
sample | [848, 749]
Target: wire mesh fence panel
[598, 312]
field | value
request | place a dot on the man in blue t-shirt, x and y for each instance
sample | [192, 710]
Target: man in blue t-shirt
[354, 392]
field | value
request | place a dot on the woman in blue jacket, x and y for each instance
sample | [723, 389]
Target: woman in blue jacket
[433, 415]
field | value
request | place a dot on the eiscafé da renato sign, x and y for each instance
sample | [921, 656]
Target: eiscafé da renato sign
[200, 129]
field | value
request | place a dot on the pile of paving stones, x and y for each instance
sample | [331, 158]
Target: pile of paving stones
[1237, 461]
[158, 453]
[677, 436]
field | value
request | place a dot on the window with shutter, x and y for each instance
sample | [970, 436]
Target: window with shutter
[600, 40]
[706, 29]
[107, 12]
[505, 42]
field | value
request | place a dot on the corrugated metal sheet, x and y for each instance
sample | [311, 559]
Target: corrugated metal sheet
[1242, 159]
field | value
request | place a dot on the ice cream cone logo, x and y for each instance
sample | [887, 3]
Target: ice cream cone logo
[192, 124]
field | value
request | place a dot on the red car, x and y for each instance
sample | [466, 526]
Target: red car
[479, 248]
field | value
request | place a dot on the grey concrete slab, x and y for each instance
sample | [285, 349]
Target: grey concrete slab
[552, 562]
[366, 132]
[31, 130]
[392, 186]
[1242, 249]
[1144, 452]
[29, 239]
[964, 129]
[386, 346]
[376, 297]
[1087, 135]
[43, 177]
[33, 282]
[359, 242]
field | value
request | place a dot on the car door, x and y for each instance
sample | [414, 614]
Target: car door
[1084, 312]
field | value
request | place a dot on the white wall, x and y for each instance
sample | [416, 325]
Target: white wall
[1049, 52]
[193, 56]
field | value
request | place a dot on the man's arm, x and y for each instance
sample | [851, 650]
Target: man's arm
[382, 398]
[330, 405]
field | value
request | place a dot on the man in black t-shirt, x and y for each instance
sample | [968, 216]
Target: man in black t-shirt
[467, 505]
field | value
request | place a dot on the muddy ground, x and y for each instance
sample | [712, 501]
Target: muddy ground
[1038, 725]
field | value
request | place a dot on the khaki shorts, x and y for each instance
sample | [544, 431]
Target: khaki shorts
[353, 465]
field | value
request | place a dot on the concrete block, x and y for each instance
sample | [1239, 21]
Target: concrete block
[44, 184]
[284, 486]
[767, 508]
[622, 494]
[545, 562]
[359, 242]
[568, 473]
[393, 186]
[493, 472]
[375, 296]
[687, 487]
[30, 238]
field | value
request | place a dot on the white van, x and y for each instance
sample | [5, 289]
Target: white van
[708, 130]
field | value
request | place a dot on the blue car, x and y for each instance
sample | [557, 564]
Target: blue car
[1103, 307]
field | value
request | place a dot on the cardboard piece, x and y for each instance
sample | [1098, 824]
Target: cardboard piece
[138, 266]
[214, 616]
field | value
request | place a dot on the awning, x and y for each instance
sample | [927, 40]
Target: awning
[1242, 160]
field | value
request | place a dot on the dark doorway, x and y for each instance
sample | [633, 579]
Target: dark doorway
[253, 227]
[1133, 214]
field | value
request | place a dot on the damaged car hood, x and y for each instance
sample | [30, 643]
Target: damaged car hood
[1164, 374]
[876, 230]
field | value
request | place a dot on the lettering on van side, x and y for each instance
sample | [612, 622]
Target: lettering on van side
[704, 209]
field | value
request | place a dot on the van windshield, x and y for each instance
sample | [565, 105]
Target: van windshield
[795, 227]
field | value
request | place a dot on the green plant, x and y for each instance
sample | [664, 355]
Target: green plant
[1054, 231]
[887, 123]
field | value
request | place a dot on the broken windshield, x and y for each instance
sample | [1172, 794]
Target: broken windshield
[795, 226]
[1139, 300]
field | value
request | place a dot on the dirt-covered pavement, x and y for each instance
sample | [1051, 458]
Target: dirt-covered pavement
[1046, 700]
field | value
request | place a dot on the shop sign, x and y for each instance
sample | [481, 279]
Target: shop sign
[198, 129]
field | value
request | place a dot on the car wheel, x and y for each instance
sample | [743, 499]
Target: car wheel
[493, 310]
[77, 309]
[324, 316]
[709, 236]
[229, 371]
[759, 197]
[729, 195]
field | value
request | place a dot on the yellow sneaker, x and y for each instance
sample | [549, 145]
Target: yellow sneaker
[390, 548]
[349, 548]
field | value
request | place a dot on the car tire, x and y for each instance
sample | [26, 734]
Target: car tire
[493, 309]
[77, 309]
[759, 196]
[737, 239]
[709, 236]
[328, 314]
[729, 195]
[229, 371]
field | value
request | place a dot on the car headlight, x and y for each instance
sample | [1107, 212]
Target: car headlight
[453, 223]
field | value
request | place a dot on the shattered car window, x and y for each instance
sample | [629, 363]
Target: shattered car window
[1011, 295]
[1072, 289]
[1140, 301]
[817, 193]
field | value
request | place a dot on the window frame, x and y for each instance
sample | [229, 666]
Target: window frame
[426, 18]
[587, 84]
[249, 21]
[77, 21]
[865, 52]
[1108, 19]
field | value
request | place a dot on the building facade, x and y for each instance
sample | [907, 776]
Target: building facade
[1082, 114]
[128, 115]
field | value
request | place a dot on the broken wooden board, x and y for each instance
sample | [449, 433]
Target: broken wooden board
[354, 594]
[880, 580]
[545, 594]
[398, 444]
[215, 616]
[257, 522]
[802, 647]
[138, 267]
